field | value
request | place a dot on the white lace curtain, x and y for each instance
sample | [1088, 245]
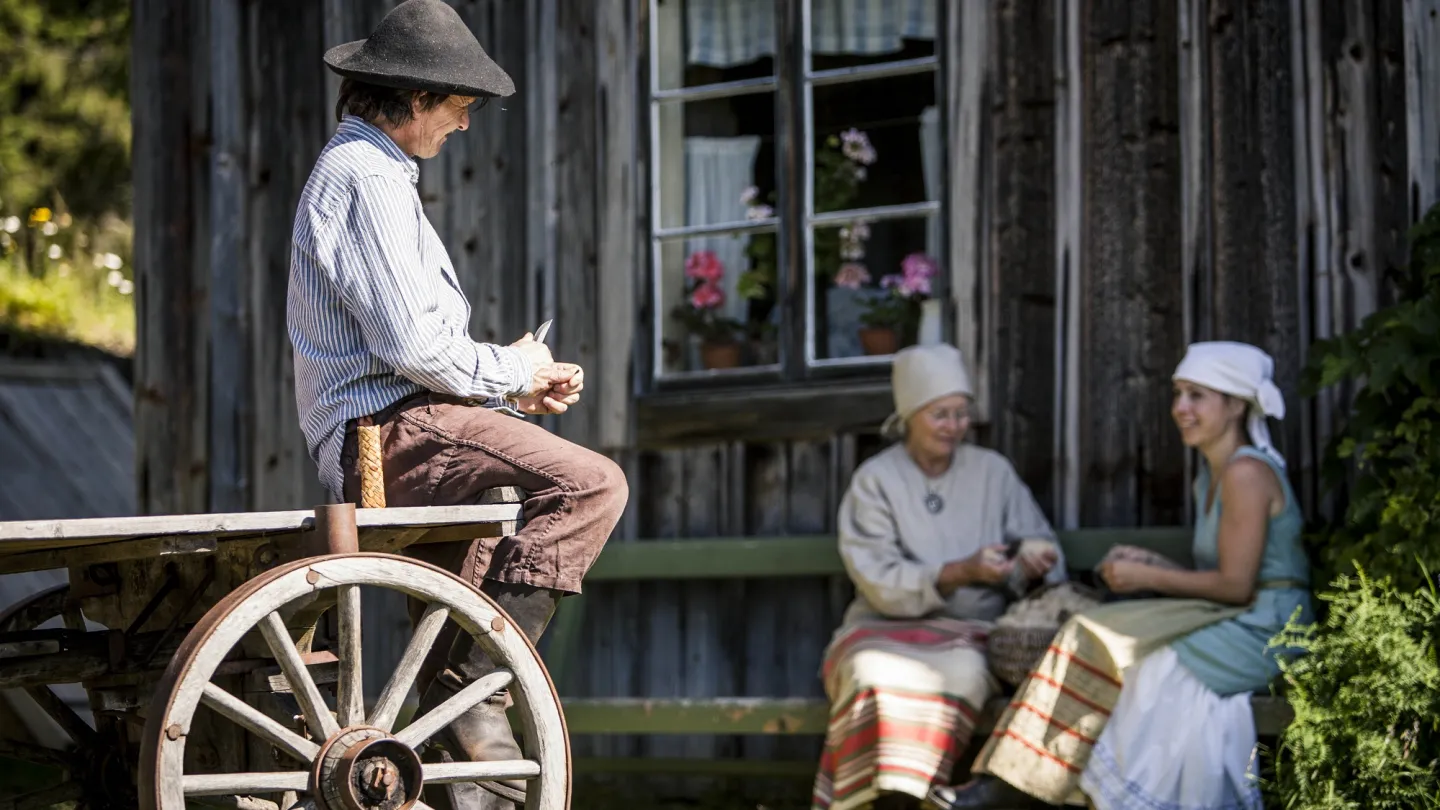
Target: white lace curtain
[717, 171]
[725, 33]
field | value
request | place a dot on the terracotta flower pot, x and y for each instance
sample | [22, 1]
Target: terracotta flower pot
[720, 355]
[879, 340]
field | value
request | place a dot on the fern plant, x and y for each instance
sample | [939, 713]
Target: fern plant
[1366, 697]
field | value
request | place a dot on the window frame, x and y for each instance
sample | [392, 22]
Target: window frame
[792, 83]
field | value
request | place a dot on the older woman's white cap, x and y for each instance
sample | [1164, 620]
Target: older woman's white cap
[920, 375]
[1242, 371]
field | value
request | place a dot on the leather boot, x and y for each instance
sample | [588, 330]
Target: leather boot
[984, 792]
[483, 732]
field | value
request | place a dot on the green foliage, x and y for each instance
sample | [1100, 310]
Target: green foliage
[64, 106]
[1367, 702]
[65, 171]
[1367, 693]
[1391, 441]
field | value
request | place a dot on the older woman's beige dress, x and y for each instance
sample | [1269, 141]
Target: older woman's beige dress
[906, 673]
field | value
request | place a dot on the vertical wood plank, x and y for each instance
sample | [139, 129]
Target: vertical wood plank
[1353, 202]
[229, 317]
[620, 262]
[1132, 327]
[170, 165]
[705, 672]
[286, 81]
[1251, 147]
[1020, 268]
[1196, 260]
[805, 628]
[575, 272]
[1313, 230]
[1422, 103]
[767, 477]
[662, 648]
[541, 201]
[1068, 257]
[966, 39]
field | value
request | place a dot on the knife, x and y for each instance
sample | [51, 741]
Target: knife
[543, 330]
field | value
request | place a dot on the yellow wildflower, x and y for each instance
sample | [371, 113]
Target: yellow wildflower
[39, 215]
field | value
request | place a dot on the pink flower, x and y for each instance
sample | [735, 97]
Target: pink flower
[851, 276]
[919, 266]
[904, 286]
[707, 296]
[855, 145]
[704, 265]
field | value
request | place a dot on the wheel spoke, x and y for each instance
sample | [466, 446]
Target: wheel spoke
[302, 686]
[251, 718]
[60, 711]
[439, 773]
[441, 716]
[219, 784]
[236, 802]
[387, 708]
[350, 691]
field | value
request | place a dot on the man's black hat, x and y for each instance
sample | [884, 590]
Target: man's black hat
[422, 45]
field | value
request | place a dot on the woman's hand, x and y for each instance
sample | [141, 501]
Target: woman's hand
[1037, 557]
[988, 566]
[1124, 576]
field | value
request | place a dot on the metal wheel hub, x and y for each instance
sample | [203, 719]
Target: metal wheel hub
[363, 768]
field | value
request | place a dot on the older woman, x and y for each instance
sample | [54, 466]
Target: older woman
[1146, 704]
[922, 531]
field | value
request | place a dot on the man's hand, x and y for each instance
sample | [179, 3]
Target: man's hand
[540, 362]
[563, 383]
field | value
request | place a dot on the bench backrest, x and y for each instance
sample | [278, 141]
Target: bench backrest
[817, 554]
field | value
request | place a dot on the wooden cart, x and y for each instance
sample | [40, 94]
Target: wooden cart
[229, 671]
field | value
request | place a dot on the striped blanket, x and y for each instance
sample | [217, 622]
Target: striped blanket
[1042, 742]
[904, 696]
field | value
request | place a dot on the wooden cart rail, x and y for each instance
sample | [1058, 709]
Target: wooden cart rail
[37, 545]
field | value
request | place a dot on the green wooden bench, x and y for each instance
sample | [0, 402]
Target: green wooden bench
[773, 557]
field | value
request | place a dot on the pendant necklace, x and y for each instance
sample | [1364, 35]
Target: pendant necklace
[933, 502]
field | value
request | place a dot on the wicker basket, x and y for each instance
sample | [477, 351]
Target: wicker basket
[1013, 651]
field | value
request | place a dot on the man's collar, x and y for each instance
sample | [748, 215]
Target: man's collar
[357, 127]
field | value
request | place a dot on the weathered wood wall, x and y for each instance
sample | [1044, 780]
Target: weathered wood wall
[1151, 173]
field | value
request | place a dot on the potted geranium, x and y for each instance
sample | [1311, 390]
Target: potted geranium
[700, 312]
[894, 316]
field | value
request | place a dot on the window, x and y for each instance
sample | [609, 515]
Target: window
[795, 175]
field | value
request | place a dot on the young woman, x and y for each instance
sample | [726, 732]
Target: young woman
[921, 531]
[1146, 704]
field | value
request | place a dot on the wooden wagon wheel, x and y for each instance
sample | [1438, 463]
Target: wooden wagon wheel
[351, 761]
[97, 773]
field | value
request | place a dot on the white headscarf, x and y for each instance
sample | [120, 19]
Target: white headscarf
[1242, 371]
[920, 375]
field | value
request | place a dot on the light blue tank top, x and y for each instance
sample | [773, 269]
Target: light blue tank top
[1235, 656]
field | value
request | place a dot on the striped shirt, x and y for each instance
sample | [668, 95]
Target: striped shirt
[375, 311]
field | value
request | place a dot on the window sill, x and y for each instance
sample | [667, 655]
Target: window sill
[762, 413]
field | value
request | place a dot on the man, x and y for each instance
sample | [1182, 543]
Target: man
[378, 325]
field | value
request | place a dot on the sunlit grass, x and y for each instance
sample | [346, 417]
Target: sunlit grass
[60, 281]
